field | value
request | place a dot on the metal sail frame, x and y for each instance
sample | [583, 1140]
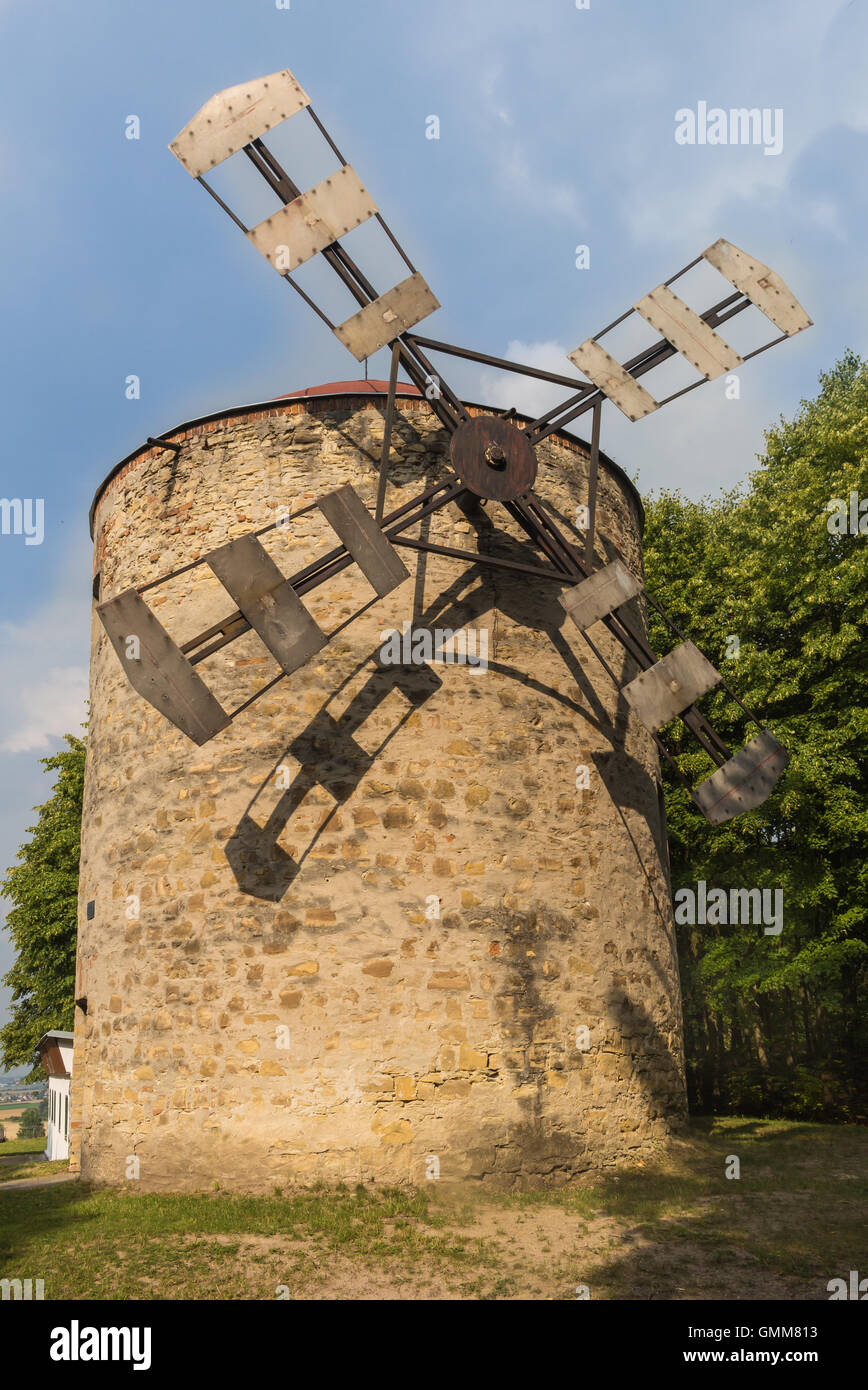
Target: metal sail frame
[315, 216]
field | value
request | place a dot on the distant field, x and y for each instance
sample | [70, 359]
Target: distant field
[10, 1116]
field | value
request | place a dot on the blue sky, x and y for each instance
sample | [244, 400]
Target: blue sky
[556, 129]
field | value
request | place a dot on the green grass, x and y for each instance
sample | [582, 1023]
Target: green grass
[673, 1228]
[10, 1171]
[90, 1243]
[22, 1146]
[799, 1209]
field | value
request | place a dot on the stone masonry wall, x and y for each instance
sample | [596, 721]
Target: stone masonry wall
[271, 995]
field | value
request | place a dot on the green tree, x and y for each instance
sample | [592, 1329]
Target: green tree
[30, 1126]
[43, 886]
[773, 1024]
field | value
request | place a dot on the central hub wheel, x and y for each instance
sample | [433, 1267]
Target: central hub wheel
[493, 458]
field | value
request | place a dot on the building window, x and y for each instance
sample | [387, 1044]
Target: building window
[66, 1116]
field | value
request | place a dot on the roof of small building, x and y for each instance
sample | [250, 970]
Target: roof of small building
[50, 1048]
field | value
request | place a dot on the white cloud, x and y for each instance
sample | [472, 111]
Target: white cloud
[48, 709]
[45, 674]
[529, 397]
[490, 78]
[517, 171]
[815, 97]
[826, 215]
[697, 445]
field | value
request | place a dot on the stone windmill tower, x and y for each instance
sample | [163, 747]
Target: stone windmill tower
[374, 871]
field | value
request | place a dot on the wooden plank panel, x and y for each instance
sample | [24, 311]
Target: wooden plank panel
[670, 685]
[268, 601]
[744, 782]
[388, 317]
[688, 333]
[611, 378]
[600, 594]
[232, 118]
[761, 285]
[314, 221]
[161, 674]
[376, 557]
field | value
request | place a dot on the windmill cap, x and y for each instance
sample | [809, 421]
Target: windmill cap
[352, 388]
[347, 390]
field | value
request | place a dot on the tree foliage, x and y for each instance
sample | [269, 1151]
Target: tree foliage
[774, 1023]
[30, 1125]
[43, 886]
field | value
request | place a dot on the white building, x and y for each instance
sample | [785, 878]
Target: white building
[55, 1053]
